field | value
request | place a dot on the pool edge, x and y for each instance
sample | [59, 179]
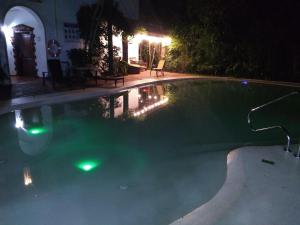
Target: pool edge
[77, 95]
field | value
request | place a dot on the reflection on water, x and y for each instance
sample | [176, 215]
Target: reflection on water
[27, 176]
[34, 127]
[136, 102]
[149, 108]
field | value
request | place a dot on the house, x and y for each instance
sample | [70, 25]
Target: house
[36, 30]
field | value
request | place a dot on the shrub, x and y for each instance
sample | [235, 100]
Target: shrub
[79, 57]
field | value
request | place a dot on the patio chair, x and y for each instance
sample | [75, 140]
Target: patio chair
[55, 71]
[159, 68]
[60, 73]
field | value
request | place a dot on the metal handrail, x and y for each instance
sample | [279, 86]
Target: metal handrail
[286, 132]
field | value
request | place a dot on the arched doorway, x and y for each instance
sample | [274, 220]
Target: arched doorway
[24, 50]
[25, 41]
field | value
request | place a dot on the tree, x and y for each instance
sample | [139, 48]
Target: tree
[107, 20]
[254, 38]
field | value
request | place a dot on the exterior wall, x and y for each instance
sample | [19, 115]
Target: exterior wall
[133, 50]
[66, 12]
[3, 58]
[53, 14]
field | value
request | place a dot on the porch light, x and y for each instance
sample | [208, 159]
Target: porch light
[7, 30]
[165, 41]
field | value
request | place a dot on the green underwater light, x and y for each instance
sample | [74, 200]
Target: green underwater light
[36, 130]
[88, 165]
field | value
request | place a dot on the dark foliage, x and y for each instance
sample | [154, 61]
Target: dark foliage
[97, 24]
[4, 78]
[254, 38]
[79, 57]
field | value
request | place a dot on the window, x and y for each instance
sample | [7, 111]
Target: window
[71, 32]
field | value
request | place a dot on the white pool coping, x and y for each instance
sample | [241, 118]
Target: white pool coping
[254, 192]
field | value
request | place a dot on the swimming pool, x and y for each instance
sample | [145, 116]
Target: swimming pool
[148, 155]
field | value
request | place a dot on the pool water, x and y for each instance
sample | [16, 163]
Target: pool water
[148, 155]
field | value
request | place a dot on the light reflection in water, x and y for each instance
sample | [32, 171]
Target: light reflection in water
[27, 176]
[34, 128]
[151, 107]
[135, 102]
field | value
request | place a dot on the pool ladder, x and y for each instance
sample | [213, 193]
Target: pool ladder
[285, 131]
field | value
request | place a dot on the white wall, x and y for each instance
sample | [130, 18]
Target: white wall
[133, 48]
[117, 42]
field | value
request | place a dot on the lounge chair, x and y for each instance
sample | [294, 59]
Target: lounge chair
[112, 78]
[159, 68]
[120, 70]
[135, 67]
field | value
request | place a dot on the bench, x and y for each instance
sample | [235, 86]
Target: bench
[115, 79]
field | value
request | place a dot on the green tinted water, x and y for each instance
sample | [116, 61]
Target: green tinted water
[147, 156]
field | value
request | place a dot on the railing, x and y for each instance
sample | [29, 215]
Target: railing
[285, 131]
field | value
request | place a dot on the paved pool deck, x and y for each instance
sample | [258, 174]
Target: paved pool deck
[49, 96]
[254, 192]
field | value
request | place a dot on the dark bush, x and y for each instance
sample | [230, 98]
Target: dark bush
[79, 57]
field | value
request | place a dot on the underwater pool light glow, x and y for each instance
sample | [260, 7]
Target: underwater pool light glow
[244, 82]
[36, 131]
[88, 165]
